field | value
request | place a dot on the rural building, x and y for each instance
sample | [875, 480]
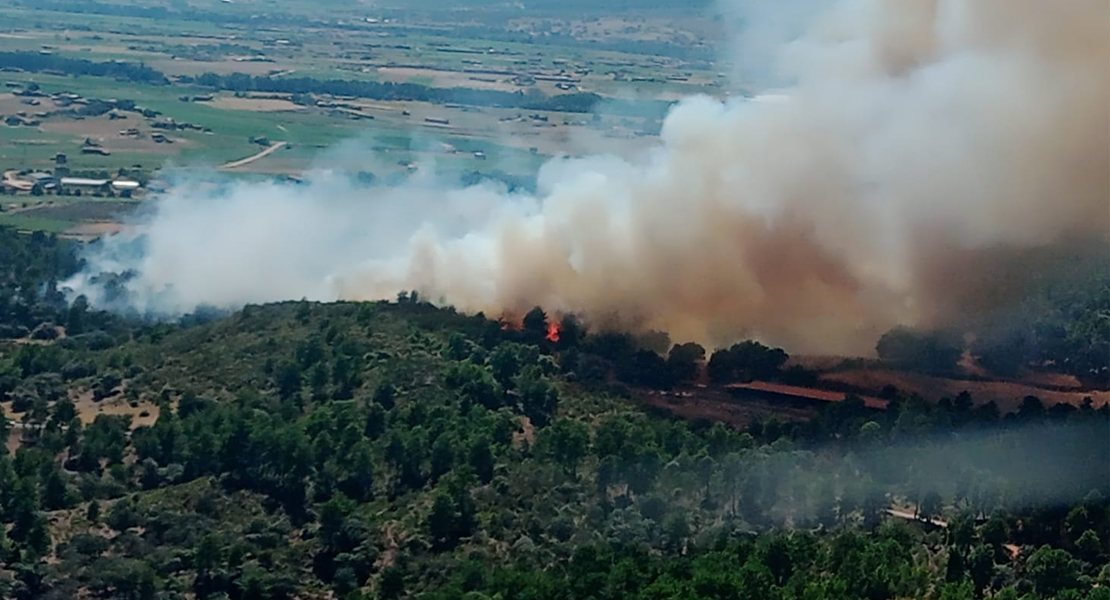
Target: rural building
[41, 180]
[98, 185]
[61, 165]
[123, 185]
[86, 184]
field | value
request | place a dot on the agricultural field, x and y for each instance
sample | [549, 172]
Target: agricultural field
[198, 86]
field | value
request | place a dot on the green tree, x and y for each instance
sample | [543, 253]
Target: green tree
[538, 398]
[5, 429]
[287, 379]
[1052, 571]
[358, 476]
[452, 516]
[55, 493]
[746, 361]
[534, 326]
[442, 456]
[1089, 545]
[566, 442]
[684, 360]
[505, 363]
[929, 506]
[475, 385]
[910, 348]
[76, 316]
[391, 584]
[961, 532]
[980, 566]
[995, 532]
[480, 458]
[375, 421]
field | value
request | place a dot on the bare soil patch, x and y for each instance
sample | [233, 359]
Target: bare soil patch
[106, 132]
[143, 413]
[254, 104]
[12, 443]
[11, 104]
[90, 231]
[717, 405]
[480, 81]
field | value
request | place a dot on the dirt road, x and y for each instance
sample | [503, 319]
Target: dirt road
[1013, 549]
[12, 181]
[274, 147]
[908, 515]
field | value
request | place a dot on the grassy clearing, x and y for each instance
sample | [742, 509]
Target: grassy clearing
[32, 223]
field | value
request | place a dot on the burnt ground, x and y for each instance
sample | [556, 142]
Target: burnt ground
[717, 404]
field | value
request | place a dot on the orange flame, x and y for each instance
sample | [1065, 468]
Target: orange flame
[553, 331]
[508, 323]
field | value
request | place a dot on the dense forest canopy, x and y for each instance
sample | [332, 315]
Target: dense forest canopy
[399, 450]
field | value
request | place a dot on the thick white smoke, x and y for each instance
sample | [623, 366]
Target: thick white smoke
[919, 132]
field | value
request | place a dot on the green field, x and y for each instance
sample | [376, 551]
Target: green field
[23, 222]
[301, 41]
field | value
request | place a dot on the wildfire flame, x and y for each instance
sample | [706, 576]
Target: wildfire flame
[509, 323]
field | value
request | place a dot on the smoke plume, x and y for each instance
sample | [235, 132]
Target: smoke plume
[917, 138]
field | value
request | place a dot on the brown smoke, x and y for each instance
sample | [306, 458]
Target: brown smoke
[921, 137]
[925, 143]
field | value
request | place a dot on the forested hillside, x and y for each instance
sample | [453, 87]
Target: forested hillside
[399, 450]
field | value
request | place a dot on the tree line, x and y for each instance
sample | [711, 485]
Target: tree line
[400, 450]
[577, 102]
[38, 62]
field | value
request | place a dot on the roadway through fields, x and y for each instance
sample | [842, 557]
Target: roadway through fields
[235, 164]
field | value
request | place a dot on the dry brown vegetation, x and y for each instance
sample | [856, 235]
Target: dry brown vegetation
[1007, 395]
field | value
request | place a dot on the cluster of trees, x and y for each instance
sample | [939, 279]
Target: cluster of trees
[1060, 321]
[29, 299]
[40, 62]
[928, 351]
[395, 450]
[1065, 328]
[651, 361]
[581, 102]
[576, 102]
[779, 567]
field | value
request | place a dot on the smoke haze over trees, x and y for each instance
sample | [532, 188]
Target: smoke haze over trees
[395, 449]
[581, 390]
[902, 168]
